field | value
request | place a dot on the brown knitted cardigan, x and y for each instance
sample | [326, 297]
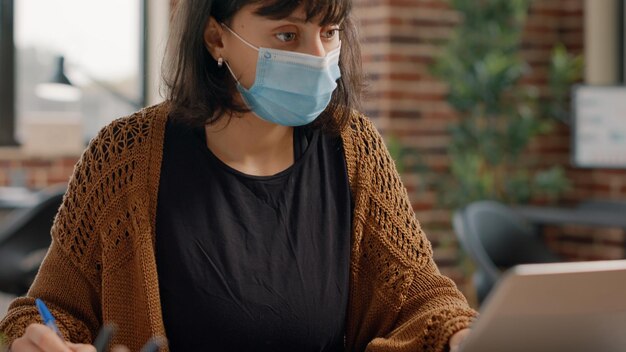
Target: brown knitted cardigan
[101, 264]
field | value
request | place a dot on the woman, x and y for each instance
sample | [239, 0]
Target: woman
[253, 210]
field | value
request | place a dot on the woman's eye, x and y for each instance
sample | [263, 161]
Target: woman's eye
[331, 33]
[286, 36]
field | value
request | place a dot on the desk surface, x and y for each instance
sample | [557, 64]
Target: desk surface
[18, 197]
[574, 216]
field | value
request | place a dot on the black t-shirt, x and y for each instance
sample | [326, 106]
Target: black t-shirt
[250, 263]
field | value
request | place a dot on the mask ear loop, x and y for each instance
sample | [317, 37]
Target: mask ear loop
[231, 72]
[239, 37]
[244, 41]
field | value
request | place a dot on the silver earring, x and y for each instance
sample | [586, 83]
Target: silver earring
[220, 62]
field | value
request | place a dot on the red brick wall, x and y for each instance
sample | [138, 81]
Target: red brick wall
[34, 173]
[400, 39]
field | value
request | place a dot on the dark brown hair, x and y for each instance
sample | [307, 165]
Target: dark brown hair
[200, 92]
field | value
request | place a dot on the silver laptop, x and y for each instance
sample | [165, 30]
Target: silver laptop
[563, 307]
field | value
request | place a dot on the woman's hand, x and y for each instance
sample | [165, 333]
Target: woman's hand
[40, 338]
[456, 339]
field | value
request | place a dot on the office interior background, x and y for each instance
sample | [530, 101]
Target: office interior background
[112, 49]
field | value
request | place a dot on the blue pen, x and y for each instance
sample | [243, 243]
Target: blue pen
[47, 317]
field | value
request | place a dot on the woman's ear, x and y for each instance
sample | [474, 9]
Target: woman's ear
[213, 38]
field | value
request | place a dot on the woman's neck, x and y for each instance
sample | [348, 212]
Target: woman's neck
[251, 145]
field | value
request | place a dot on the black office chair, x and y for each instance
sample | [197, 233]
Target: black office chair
[24, 241]
[496, 239]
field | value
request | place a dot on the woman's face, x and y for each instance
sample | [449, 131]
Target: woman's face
[292, 33]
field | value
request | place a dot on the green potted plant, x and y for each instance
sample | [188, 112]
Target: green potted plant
[499, 116]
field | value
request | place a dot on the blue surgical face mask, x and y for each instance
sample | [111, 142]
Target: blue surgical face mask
[290, 89]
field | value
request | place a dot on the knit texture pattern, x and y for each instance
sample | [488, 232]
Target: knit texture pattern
[101, 265]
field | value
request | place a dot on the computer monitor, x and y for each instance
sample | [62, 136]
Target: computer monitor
[599, 127]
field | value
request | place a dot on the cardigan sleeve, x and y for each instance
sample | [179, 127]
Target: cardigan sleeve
[68, 280]
[401, 300]
[67, 293]
[433, 311]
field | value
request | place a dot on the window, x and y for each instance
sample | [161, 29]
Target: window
[112, 52]
[101, 43]
[105, 47]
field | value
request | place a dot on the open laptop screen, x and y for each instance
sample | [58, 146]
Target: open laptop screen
[569, 307]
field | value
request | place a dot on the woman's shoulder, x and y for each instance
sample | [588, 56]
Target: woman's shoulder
[361, 137]
[133, 131]
[125, 145]
[357, 122]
